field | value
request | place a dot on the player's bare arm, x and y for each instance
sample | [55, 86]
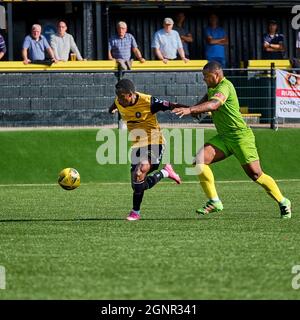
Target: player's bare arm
[208, 106]
[174, 105]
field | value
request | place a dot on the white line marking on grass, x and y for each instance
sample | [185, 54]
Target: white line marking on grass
[28, 185]
[125, 183]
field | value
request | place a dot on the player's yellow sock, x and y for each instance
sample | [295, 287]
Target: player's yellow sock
[270, 186]
[207, 181]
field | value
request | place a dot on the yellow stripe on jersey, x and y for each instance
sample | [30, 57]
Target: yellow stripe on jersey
[141, 123]
[217, 98]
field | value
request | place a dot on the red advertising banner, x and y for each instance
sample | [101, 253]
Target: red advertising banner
[287, 94]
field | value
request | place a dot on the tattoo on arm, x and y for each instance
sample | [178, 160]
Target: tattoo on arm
[207, 106]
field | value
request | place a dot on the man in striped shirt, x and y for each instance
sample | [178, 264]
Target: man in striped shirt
[121, 45]
[2, 47]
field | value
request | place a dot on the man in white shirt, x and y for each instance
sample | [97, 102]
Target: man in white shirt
[166, 42]
[63, 43]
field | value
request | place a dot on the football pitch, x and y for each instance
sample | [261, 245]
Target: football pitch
[77, 245]
[57, 244]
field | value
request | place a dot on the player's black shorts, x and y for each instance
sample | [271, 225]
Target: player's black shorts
[153, 153]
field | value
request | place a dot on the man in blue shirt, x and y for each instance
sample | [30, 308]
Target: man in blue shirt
[35, 47]
[166, 42]
[273, 47]
[216, 39]
[121, 45]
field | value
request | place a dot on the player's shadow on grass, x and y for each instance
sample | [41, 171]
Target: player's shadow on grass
[93, 219]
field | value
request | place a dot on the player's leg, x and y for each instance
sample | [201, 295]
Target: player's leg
[138, 174]
[140, 180]
[155, 153]
[245, 150]
[209, 154]
[254, 171]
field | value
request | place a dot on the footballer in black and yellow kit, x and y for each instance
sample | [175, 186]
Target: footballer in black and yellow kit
[138, 111]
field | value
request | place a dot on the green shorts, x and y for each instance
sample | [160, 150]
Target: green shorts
[240, 143]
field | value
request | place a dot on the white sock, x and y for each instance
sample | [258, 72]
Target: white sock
[282, 201]
[164, 173]
[215, 199]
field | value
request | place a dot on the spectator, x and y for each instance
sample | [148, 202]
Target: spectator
[166, 43]
[121, 45]
[185, 35]
[2, 47]
[35, 47]
[216, 39]
[63, 43]
[296, 61]
[273, 46]
[298, 45]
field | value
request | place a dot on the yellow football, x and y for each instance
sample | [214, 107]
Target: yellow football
[69, 179]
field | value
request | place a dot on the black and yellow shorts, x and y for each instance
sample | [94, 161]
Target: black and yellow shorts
[153, 153]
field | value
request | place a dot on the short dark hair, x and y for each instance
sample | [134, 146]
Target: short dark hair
[125, 86]
[212, 66]
[61, 20]
[272, 22]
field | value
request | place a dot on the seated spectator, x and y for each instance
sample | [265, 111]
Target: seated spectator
[166, 43]
[35, 47]
[216, 39]
[273, 46]
[2, 47]
[185, 35]
[62, 43]
[121, 45]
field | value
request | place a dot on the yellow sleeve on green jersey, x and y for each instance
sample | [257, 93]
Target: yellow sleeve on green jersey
[222, 90]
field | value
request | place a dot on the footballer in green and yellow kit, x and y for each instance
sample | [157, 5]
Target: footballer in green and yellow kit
[234, 138]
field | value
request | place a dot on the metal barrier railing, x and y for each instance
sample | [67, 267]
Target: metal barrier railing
[67, 98]
[255, 89]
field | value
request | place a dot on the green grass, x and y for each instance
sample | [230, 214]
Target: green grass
[38, 156]
[58, 244]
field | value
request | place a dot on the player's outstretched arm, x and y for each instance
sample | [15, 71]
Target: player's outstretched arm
[208, 106]
[113, 108]
[174, 105]
[164, 105]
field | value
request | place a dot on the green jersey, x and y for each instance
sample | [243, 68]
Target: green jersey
[227, 118]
